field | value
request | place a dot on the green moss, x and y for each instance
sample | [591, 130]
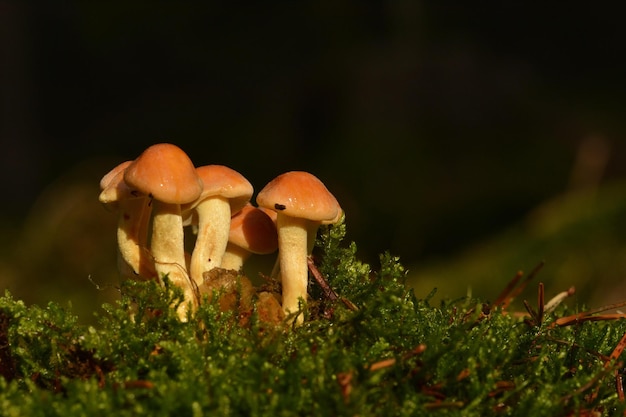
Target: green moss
[375, 349]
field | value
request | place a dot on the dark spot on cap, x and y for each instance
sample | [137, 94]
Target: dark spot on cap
[279, 206]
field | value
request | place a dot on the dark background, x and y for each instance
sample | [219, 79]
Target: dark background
[435, 123]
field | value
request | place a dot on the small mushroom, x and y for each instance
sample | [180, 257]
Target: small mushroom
[134, 260]
[225, 192]
[252, 231]
[302, 203]
[165, 173]
[107, 179]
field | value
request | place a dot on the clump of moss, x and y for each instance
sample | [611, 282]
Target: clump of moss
[368, 347]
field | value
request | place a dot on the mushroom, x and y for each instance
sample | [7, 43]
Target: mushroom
[302, 203]
[225, 192]
[165, 173]
[134, 259]
[252, 231]
[108, 178]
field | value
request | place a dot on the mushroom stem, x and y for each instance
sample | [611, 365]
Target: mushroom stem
[234, 257]
[167, 247]
[213, 229]
[292, 252]
[132, 235]
[134, 259]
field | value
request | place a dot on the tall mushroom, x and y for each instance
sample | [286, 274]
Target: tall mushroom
[165, 173]
[225, 192]
[302, 202]
[252, 231]
[134, 259]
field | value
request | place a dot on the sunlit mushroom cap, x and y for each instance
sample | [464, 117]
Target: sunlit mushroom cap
[336, 219]
[299, 194]
[165, 172]
[109, 176]
[113, 188]
[225, 182]
[115, 191]
[254, 230]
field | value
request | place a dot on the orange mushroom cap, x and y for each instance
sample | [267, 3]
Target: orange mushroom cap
[165, 172]
[112, 186]
[110, 176]
[299, 194]
[254, 230]
[220, 180]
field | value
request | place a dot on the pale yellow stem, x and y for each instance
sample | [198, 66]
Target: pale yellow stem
[292, 254]
[213, 230]
[167, 247]
[132, 234]
[234, 257]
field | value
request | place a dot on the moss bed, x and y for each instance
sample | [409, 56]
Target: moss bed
[368, 347]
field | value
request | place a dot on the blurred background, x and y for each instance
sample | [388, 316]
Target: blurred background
[472, 141]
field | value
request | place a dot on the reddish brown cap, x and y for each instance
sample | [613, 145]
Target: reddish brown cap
[299, 194]
[225, 182]
[253, 229]
[165, 172]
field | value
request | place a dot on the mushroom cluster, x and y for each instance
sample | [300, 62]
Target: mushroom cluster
[160, 196]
